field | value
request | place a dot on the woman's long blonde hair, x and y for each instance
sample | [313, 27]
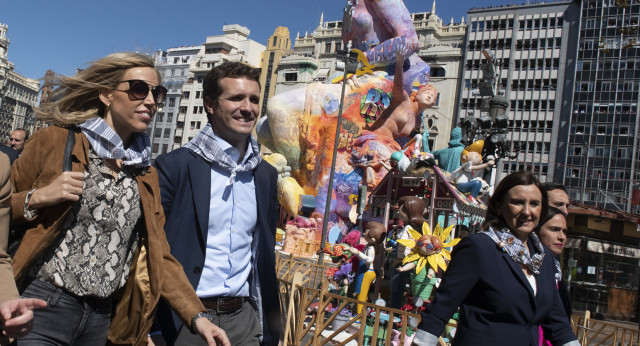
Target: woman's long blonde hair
[77, 98]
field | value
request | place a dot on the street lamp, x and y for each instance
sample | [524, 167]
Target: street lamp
[350, 66]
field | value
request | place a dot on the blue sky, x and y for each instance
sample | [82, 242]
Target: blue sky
[63, 35]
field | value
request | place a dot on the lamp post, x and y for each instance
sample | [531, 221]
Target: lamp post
[350, 65]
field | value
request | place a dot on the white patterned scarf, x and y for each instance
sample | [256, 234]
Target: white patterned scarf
[206, 145]
[509, 243]
[108, 145]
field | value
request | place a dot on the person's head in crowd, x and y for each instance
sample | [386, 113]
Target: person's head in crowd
[518, 203]
[558, 196]
[231, 97]
[552, 230]
[17, 139]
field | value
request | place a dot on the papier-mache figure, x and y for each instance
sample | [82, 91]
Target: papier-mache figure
[449, 158]
[411, 211]
[464, 178]
[371, 258]
[426, 248]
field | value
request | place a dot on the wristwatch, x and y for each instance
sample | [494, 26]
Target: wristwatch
[198, 315]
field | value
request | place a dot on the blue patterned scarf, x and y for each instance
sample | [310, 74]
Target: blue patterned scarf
[108, 145]
[206, 145]
[509, 243]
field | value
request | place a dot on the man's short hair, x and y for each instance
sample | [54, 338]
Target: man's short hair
[550, 186]
[26, 133]
[211, 84]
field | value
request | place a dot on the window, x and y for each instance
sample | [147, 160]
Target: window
[622, 153]
[624, 130]
[605, 86]
[198, 94]
[601, 130]
[172, 102]
[590, 24]
[291, 76]
[577, 150]
[167, 132]
[438, 72]
[327, 47]
[186, 94]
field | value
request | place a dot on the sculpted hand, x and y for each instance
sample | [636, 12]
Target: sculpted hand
[212, 334]
[16, 316]
[66, 187]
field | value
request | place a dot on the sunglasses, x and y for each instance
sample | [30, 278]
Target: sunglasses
[139, 89]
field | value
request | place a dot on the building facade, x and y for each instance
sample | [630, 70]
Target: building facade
[233, 45]
[279, 45]
[599, 153]
[173, 65]
[530, 44]
[440, 44]
[18, 94]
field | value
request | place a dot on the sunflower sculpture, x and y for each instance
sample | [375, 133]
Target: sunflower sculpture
[426, 248]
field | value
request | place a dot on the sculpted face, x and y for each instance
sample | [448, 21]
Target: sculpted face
[428, 245]
[427, 96]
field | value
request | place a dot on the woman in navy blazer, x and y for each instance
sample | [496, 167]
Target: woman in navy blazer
[501, 278]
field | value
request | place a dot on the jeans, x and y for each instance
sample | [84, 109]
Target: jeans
[472, 186]
[68, 319]
[242, 327]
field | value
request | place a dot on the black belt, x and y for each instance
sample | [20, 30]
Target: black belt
[224, 304]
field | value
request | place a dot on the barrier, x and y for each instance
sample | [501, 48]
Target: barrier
[311, 312]
[596, 332]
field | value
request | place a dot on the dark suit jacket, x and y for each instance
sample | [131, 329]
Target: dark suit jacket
[497, 303]
[13, 155]
[185, 184]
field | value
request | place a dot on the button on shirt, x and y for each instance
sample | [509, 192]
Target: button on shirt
[232, 221]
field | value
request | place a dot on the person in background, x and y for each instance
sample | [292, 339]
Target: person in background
[94, 244]
[558, 196]
[16, 313]
[502, 278]
[552, 232]
[12, 154]
[17, 139]
[221, 203]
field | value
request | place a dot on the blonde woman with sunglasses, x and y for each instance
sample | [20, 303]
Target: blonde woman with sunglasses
[94, 247]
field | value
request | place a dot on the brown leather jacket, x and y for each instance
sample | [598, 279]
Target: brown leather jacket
[154, 272]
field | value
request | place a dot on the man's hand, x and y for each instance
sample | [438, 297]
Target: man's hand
[212, 334]
[16, 316]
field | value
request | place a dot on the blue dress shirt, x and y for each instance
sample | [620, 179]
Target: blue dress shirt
[232, 222]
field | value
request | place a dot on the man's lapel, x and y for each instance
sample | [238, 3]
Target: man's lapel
[200, 178]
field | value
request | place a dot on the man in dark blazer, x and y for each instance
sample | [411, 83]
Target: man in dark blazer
[220, 202]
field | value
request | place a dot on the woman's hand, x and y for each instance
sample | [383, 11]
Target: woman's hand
[66, 187]
[211, 333]
[16, 316]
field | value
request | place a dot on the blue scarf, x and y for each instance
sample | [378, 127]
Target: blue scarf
[509, 243]
[206, 145]
[108, 145]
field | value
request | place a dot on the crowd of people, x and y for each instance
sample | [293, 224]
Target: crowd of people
[111, 243]
[114, 250]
